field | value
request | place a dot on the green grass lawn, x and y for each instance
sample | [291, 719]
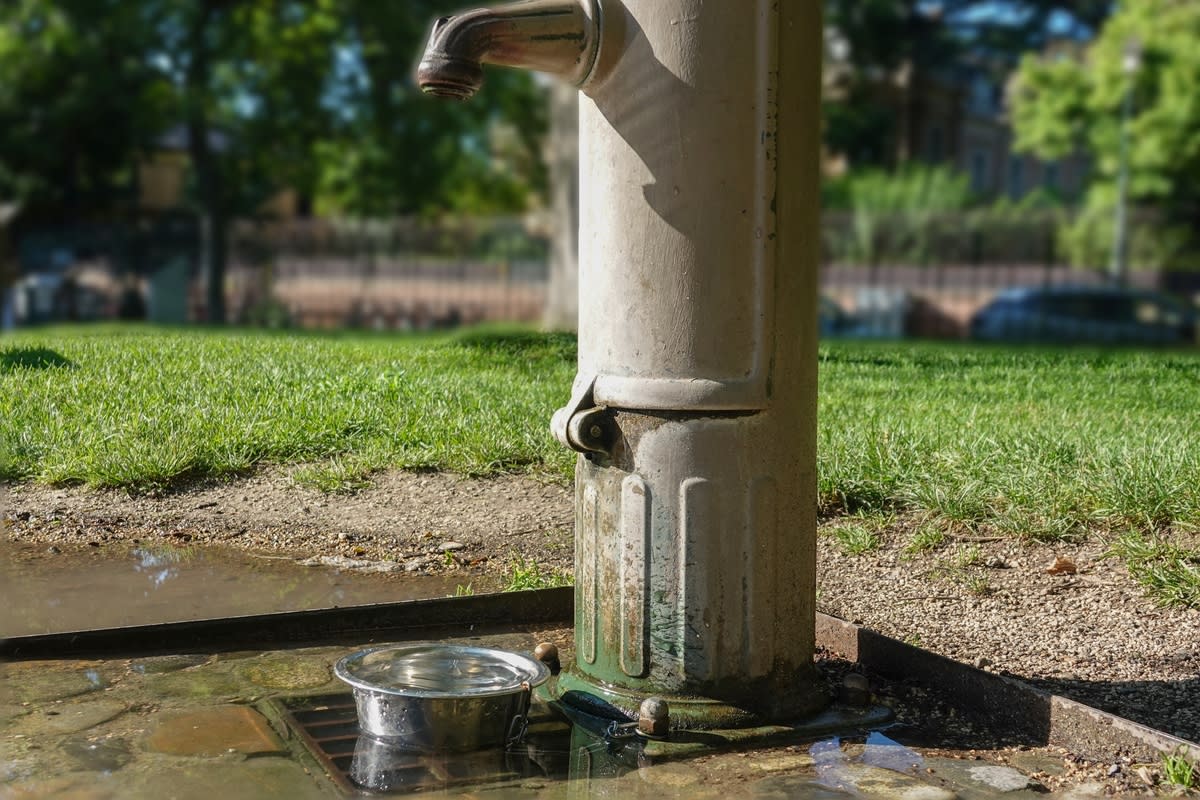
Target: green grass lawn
[122, 406]
[1037, 443]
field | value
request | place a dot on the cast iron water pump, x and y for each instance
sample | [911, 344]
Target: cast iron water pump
[694, 407]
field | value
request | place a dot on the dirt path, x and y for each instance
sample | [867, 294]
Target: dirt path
[1091, 634]
[404, 517]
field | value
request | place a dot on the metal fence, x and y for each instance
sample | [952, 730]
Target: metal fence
[909, 274]
[387, 275]
[928, 275]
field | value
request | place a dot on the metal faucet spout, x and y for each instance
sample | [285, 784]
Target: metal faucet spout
[559, 37]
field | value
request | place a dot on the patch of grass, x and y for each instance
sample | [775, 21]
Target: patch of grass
[1169, 573]
[928, 537]
[337, 475]
[462, 590]
[1041, 443]
[523, 574]
[977, 585]
[966, 556]
[1046, 444]
[149, 408]
[855, 538]
[1179, 771]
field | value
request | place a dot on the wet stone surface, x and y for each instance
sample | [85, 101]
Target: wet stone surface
[198, 685]
[160, 665]
[65, 718]
[165, 727]
[34, 683]
[99, 754]
[286, 673]
[213, 732]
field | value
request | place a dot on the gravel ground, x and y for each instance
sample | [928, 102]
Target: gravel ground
[1091, 635]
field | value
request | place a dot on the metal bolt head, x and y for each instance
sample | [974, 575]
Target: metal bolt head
[654, 717]
[595, 431]
[547, 653]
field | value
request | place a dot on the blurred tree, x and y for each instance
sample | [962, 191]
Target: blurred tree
[396, 151]
[311, 95]
[251, 78]
[76, 99]
[873, 40]
[1060, 104]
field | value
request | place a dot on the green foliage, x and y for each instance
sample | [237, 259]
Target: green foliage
[882, 37]
[1086, 239]
[312, 95]
[1178, 770]
[1063, 103]
[1169, 573]
[894, 214]
[855, 538]
[523, 574]
[396, 151]
[928, 537]
[75, 102]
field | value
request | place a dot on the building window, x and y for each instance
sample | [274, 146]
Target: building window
[979, 171]
[937, 147]
[1016, 176]
[1050, 175]
[982, 97]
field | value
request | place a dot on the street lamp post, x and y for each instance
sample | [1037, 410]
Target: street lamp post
[1120, 253]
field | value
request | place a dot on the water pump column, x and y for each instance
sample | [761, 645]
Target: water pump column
[695, 404]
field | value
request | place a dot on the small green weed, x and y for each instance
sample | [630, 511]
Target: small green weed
[1169, 573]
[966, 556]
[928, 537]
[523, 574]
[978, 585]
[855, 538]
[1179, 771]
[464, 591]
[335, 475]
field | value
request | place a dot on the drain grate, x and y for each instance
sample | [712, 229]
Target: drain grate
[327, 725]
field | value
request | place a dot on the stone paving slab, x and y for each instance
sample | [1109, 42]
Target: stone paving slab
[64, 718]
[146, 728]
[214, 731]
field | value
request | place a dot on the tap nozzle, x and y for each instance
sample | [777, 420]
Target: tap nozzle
[559, 37]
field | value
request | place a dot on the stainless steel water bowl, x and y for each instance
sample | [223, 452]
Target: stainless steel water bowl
[436, 697]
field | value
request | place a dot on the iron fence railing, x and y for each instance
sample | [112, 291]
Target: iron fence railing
[895, 274]
[394, 274]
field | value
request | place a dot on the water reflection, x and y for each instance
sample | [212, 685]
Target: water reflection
[158, 564]
[837, 770]
[880, 751]
[67, 589]
[559, 751]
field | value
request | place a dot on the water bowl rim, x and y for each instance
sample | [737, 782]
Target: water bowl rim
[537, 673]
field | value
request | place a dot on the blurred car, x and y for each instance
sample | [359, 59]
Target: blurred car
[832, 319]
[1102, 315]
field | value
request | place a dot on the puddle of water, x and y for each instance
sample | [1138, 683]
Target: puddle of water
[92, 588]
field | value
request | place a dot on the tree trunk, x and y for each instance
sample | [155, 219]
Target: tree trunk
[213, 221]
[562, 157]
